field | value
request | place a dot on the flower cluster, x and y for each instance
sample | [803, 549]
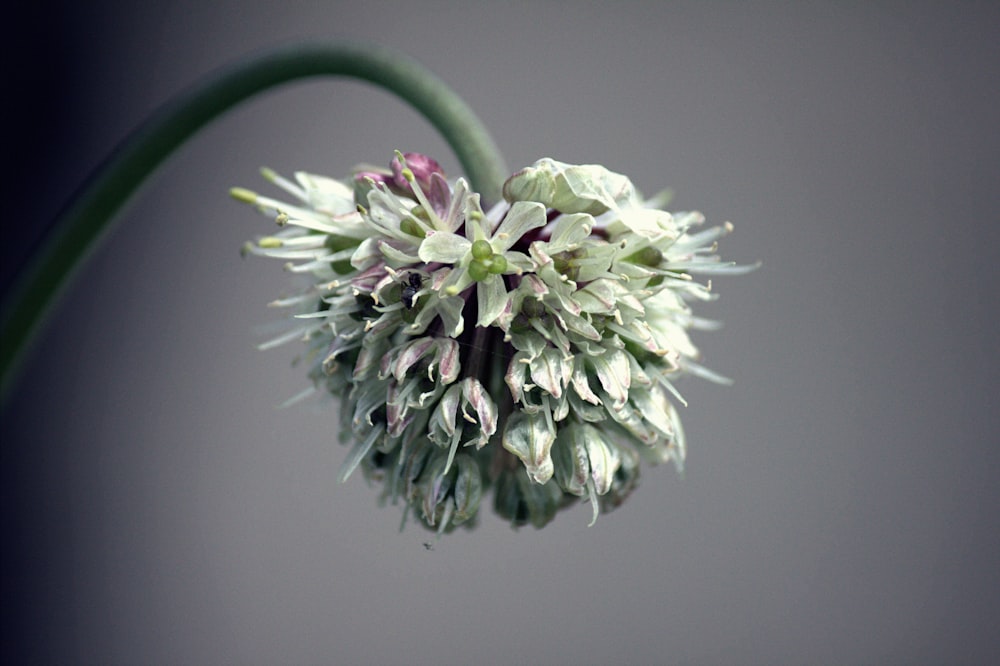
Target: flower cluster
[530, 346]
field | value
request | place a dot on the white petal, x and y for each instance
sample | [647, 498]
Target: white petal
[492, 298]
[444, 247]
[522, 218]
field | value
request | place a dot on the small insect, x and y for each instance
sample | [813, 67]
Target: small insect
[413, 284]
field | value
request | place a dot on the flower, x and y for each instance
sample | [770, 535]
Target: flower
[531, 348]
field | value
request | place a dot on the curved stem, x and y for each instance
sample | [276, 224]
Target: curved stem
[91, 213]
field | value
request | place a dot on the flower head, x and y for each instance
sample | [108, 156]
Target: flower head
[531, 347]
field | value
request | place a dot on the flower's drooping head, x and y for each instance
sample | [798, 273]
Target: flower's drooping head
[530, 347]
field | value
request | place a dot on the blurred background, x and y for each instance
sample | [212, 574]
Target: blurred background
[840, 503]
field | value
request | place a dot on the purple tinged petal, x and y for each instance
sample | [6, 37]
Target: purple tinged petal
[439, 194]
[486, 409]
[446, 413]
[530, 342]
[535, 285]
[581, 383]
[368, 358]
[422, 166]
[516, 375]
[530, 184]
[448, 361]
[396, 412]
[396, 252]
[411, 353]
[565, 301]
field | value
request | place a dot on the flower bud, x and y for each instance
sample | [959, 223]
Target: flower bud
[530, 438]
[446, 430]
[481, 249]
[450, 496]
[522, 501]
[586, 461]
[587, 188]
[421, 167]
[625, 480]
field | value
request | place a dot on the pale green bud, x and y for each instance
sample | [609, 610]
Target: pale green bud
[478, 271]
[497, 265]
[481, 250]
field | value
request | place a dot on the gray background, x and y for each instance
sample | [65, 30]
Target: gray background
[840, 502]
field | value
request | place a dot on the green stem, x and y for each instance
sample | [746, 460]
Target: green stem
[91, 213]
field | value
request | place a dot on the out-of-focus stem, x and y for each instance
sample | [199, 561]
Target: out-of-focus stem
[91, 213]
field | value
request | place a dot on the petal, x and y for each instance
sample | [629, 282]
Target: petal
[551, 371]
[409, 354]
[444, 421]
[522, 217]
[612, 372]
[394, 255]
[603, 457]
[443, 247]
[517, 374]
[486, 410]
[326, 194]
[530, 438]
[447, 360]
[468, 489]
[358, 452]
[569, 455]
[450, 311]
[581, 383]
[647, 223]
[492, 297]
[569, 230]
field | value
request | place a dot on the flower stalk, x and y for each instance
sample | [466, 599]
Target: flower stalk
[91, 213]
